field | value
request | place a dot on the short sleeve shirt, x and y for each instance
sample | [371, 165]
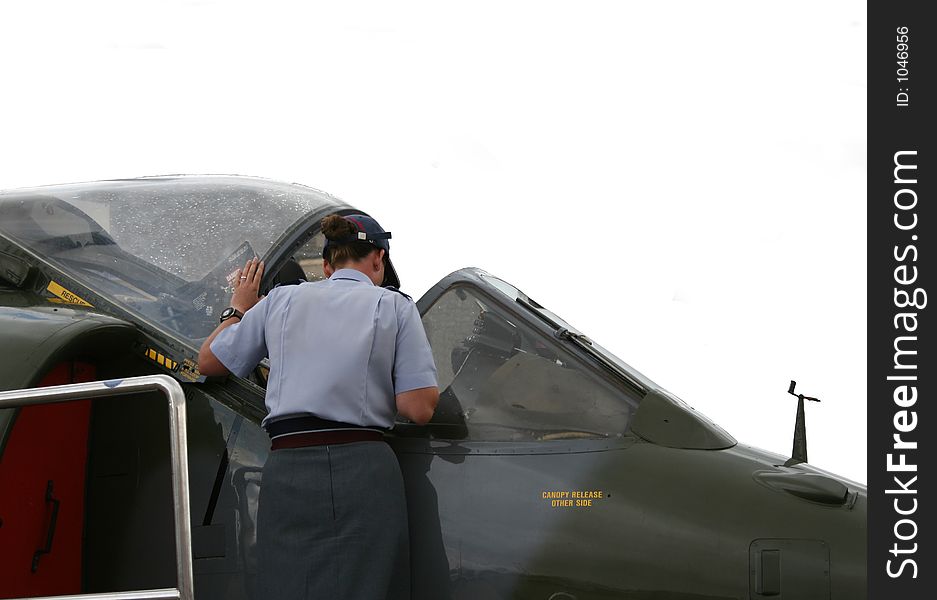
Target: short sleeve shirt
[340, 349]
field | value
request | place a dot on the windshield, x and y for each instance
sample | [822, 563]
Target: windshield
[500, 379]
[561, 326]
[163, 248]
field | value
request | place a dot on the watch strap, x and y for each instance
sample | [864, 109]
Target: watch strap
[229, 313]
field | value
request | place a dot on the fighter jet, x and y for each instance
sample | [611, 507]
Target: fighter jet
[551, 470]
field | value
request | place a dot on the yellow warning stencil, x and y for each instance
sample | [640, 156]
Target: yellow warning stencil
[573, 498]
[65, 295]
[189, 370]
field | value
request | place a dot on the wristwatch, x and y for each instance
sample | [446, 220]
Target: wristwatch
[230, 312]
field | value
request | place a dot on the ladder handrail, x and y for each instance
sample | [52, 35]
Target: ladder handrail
[179, 463]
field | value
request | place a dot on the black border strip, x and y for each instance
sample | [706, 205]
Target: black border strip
[901, 271]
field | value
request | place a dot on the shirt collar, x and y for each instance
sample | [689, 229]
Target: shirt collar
[353, 274]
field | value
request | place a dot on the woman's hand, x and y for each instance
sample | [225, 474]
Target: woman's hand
[247, 285]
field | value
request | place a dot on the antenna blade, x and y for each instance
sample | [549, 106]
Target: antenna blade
[799, 451]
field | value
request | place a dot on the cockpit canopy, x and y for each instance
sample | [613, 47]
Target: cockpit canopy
[114, 237]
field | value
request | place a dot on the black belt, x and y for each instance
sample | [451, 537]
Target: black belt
[322, 438]
[310, 430]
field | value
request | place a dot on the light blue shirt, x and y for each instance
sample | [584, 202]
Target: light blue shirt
[340, 349]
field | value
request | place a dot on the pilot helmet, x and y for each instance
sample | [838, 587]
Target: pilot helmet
[368, 230]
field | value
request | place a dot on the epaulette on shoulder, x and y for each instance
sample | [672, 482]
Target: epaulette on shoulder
[393, 289]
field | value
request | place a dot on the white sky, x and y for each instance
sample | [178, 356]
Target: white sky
[682, 181]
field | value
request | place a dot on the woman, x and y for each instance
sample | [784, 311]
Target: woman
[345, 356]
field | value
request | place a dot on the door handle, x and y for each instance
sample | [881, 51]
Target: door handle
[52, 523]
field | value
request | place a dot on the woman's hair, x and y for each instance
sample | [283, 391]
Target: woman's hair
[336, 228]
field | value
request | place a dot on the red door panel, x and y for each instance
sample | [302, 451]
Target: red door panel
[42, 483]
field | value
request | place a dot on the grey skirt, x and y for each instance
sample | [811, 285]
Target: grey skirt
[332, 524]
